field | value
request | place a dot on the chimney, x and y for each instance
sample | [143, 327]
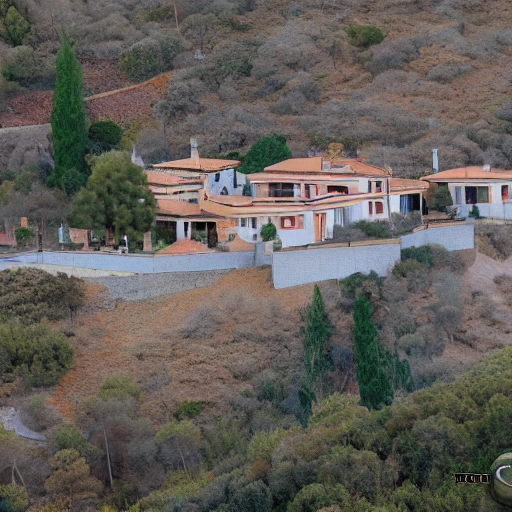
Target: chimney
[435, 161]
[194, 152]
[486, 168]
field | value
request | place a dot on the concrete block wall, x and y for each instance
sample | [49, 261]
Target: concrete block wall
[141, 264]
[454, 237]
[291, 268]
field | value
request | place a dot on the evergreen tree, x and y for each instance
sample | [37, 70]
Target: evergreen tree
[116, 196]
[266, 151]
[68, 121]
[318, 330]
[317, 356]
[374, 386]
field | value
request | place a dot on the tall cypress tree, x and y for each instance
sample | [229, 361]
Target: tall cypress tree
[375, 388]
[317, 356]
[68, 121]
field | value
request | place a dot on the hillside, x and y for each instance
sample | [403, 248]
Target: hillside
[441, 77]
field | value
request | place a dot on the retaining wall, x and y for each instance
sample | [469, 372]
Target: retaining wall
[291, 268]
[454, 237]
[142, 264]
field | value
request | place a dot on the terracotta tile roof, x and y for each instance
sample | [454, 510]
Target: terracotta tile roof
[178, 208]
[297, 165]
[199, 164]
[163, 178]
[358, 167]
[398, 185]
[265, 177]
[469, 173]
[314, 165]
[232, 200]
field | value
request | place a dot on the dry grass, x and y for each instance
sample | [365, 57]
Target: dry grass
[188, 346]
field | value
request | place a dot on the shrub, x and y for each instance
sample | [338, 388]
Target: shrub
[150, 57]
[24, 236]
[254, 497]
[374, 229]
[13, 498]
[405, 268]
[352, 284]
[36, 353]
[268, 232]
[266, 151]
[448, 71]
[13, 26]
[365, 36]
[270, 386]
[119, 386]
[31, 294]
[106, 133]
[23, 65]
[421, 254]
[189, 409]
[69, 437]
[438, 198]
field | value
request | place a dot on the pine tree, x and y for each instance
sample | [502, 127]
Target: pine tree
[374, 386]
[267, 150]
[68, 121]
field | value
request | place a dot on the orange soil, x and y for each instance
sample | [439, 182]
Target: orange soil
[146, 340]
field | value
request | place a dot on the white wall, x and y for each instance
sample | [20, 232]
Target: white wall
[292, 268]
[225, 180]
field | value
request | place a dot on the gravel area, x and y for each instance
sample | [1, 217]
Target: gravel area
[147, 286]
[11, 421]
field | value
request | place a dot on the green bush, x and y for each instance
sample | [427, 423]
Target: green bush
[36, 353]
[23, 65]
[69, 437]
[405, 268]
[119, 386]
[150, 57]
[364, 36]
[13, 26]
[24, 236]
[13, 498]
[353, 283]
[422, 254]
[254, 497]
[106, 133]
[189, 409]
[31, 294]
[374, 229]
[268, 232]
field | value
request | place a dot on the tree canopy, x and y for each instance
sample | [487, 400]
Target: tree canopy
[68, 122]
[115, 197]
[267, 150]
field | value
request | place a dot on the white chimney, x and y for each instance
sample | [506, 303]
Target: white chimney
[486, 168]
[194, 151]
[435, 161]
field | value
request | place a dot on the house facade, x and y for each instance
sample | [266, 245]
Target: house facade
[303, 197]
[488, 189]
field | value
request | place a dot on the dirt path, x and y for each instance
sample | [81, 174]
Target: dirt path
[483, 271]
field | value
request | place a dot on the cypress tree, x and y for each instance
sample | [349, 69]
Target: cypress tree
[316, 334]
[375, 388]
[68, 121]
[316, 357]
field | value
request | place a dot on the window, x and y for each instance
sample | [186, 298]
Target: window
[337, 189]
[296, 222]
[253, 222]
[504, 192]
[235, 183]
[369, 187]
[379, 207]
[287, 222]
[378, 186]
[217, 177]
[458, 195]
[477, 195]
[281, 190]
[338, 219]
[243, 223]
[307, 190]
[370, 208]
